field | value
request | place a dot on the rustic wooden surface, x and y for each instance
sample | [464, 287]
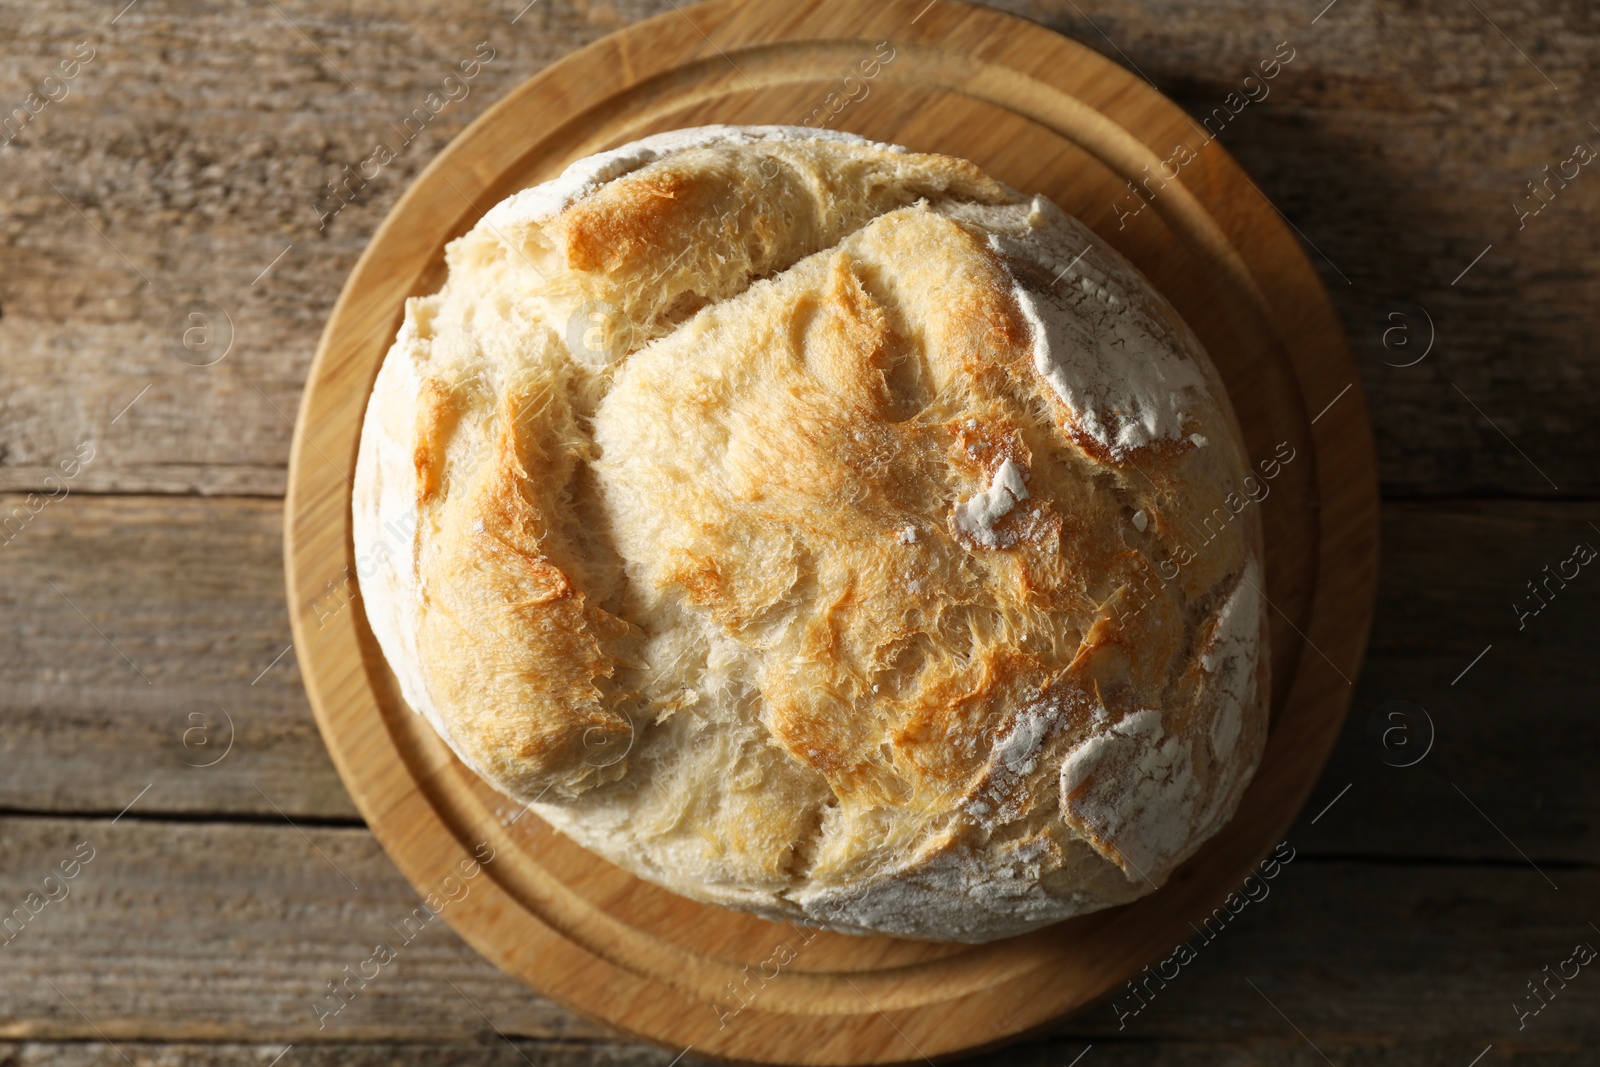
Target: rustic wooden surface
[195, 143]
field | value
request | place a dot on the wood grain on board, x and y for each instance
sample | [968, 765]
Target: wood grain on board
[1038, 112]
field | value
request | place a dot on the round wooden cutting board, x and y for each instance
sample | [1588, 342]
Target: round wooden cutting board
[1045, 115]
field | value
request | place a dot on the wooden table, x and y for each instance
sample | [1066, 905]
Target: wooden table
[144, 623]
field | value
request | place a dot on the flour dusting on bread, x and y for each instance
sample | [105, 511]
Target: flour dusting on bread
[799, 525]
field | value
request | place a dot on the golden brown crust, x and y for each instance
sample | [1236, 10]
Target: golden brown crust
[841, 592]
[509, 642]
[436, 415]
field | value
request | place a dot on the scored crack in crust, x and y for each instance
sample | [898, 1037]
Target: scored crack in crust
[800, 524]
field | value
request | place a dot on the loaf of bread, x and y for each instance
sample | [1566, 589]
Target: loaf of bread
[821, 529]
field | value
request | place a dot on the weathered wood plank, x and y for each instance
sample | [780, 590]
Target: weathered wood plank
[223, 932]
[197, 179]
[131, 615]
[1396, 140]
[216, 931]
[493, 1051]
[191, 591]
[1514, 734]
[489, 1051]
